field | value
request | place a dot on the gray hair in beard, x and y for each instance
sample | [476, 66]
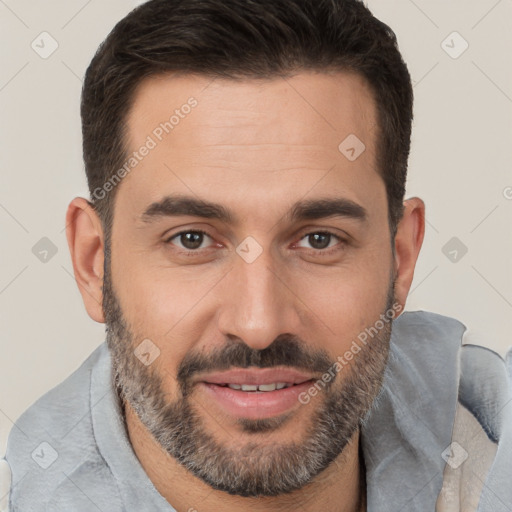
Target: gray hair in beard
[251, 470]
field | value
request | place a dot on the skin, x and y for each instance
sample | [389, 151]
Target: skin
[256, 147]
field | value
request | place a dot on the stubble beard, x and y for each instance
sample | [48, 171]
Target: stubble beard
[248, 469]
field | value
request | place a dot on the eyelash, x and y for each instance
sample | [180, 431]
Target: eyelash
[323, 252]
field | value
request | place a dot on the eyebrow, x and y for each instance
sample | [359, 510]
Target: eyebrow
[311, 209]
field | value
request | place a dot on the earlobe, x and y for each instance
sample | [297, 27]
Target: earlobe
[86, 244]
[408, 242]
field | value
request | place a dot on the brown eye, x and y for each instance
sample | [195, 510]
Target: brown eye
[189, 240]
[319, 240]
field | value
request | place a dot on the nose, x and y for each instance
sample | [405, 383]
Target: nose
[257, 302]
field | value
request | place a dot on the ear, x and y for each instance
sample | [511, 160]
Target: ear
[408, 241]
[86, 245]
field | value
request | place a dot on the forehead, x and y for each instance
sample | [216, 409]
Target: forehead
[315, 103]
[255, 137]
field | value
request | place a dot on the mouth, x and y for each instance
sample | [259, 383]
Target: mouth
[256, 393]
[259, 388]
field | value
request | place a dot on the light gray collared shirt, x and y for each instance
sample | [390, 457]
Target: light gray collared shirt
[442, 423]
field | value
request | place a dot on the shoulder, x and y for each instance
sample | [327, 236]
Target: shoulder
[432, 326]
[51, 447]
[484, 387]
[447, 410]
[478, 459]
[478, 467]
[432, 341]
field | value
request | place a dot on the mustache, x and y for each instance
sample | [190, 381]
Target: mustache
[285, 350]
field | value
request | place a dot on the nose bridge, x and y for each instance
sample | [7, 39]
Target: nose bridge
[256, 305]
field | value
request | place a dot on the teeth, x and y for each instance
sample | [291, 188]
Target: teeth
[267, 387]
[261, 387]
[249, 387]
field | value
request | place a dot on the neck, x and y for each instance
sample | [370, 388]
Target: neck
[340, 488]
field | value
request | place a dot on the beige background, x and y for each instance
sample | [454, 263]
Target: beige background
[460, 165]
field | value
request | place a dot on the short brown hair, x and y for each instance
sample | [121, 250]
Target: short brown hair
[244, 39]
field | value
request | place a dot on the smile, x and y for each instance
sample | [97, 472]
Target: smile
[259, 387]
[255, 393]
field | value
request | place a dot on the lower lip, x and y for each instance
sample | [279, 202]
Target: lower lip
[255, 404]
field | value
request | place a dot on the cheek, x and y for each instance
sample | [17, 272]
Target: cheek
[349, 300]
[166, 305]
[158, 300]
[153, 294]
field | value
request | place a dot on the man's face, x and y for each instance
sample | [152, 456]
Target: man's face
[273, 287]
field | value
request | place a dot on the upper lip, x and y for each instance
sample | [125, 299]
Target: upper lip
[257, 376]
